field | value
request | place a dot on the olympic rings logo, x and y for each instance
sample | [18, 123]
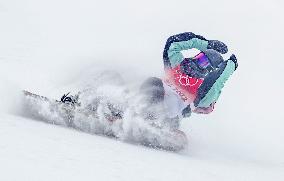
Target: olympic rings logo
[185, 80]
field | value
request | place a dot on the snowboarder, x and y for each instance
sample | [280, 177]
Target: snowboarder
[190, 85]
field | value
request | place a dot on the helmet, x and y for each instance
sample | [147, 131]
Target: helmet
[214, 57]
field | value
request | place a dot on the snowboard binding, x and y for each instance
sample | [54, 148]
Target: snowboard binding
[70, 99]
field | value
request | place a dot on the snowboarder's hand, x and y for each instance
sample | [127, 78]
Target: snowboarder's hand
[204, 110]
[218, 46]
[234, 59]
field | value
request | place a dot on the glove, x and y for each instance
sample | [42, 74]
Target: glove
[234, 59]
[218, 46]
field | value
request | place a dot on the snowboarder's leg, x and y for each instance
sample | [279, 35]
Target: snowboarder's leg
[153, 90]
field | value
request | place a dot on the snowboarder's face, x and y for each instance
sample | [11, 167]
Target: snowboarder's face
[198, 66]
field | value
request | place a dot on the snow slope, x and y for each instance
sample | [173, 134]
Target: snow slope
[38, 151]
[51, 47]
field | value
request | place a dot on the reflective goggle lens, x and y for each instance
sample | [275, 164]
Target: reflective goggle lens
[202, 60]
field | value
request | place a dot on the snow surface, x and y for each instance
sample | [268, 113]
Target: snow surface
[52, 47]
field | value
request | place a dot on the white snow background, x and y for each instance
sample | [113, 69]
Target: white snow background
[49, 47]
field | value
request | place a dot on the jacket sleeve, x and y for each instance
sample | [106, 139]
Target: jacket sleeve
[172, 55]
[210, 89]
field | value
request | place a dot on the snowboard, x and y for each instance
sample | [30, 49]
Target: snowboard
[102, 118]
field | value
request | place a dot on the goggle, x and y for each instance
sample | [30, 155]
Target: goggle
[202, 60]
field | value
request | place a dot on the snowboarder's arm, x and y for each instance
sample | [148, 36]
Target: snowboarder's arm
[175, 44]
[210, 90]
